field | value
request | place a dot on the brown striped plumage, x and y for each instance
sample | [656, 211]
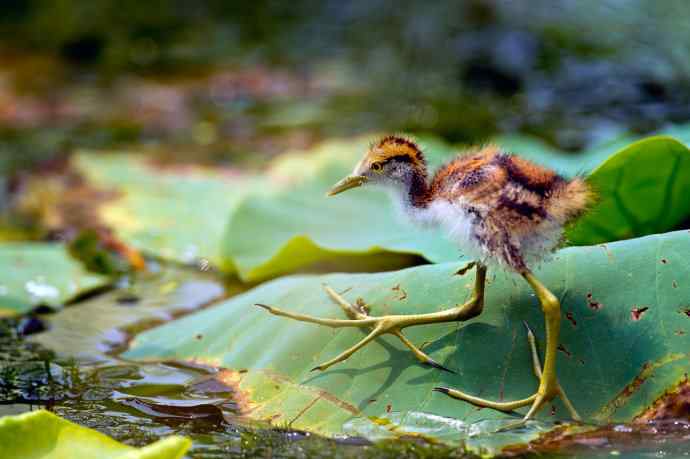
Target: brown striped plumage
[516, 209]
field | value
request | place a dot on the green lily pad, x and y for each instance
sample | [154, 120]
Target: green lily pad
[38, 274]
[173, 213]
[293, 225]
[43, 435]
[625, 336]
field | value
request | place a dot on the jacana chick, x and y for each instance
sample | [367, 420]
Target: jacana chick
[501, 210]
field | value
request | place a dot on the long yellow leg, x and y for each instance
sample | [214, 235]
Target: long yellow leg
[392, 324]
[549, 387]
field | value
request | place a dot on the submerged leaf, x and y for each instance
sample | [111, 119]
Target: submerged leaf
[612, 366]
[39, 274]
[43, 435]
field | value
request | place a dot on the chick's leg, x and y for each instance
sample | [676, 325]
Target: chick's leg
[392, 324]
[549, 387]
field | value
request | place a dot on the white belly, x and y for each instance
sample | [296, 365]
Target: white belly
[460, 226]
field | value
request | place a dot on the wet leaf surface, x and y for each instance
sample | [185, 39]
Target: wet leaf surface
[41, 274]
[614, 367]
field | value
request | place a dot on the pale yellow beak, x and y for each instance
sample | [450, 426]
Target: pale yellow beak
[351, 181]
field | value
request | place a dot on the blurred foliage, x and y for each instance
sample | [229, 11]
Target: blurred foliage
[464, 70]
[88, 248]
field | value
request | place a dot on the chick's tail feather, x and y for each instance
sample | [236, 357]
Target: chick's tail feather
[572, 200]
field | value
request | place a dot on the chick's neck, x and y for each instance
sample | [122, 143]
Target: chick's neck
[417, 193]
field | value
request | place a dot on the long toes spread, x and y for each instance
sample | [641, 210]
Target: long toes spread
[379, 326]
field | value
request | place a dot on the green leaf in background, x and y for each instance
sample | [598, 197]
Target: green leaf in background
[43, 435]
[625, 340]
[176, 213]
[35, 274]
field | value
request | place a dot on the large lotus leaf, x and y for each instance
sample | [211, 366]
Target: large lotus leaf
[176, 213]
[625, 339]
[102, 323]
[40, 274]
[43, 435]
[294, 224]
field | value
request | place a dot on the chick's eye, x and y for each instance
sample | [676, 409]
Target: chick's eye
[377, 167]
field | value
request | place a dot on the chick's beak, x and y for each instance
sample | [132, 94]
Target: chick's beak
[351, 181]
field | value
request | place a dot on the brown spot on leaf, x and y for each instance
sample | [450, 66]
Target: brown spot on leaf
[636, 313]
[664, 261]
[403, 293]
[679, 332]
[389, 408]
[571, 318]
[674, 284]
[564, 350]
[199, 336]
[592, 303]
[686, 311]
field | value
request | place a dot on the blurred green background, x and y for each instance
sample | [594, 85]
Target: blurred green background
[233, 81]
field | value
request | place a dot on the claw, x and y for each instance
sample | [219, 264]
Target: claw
[438, 366]
[443, 390]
